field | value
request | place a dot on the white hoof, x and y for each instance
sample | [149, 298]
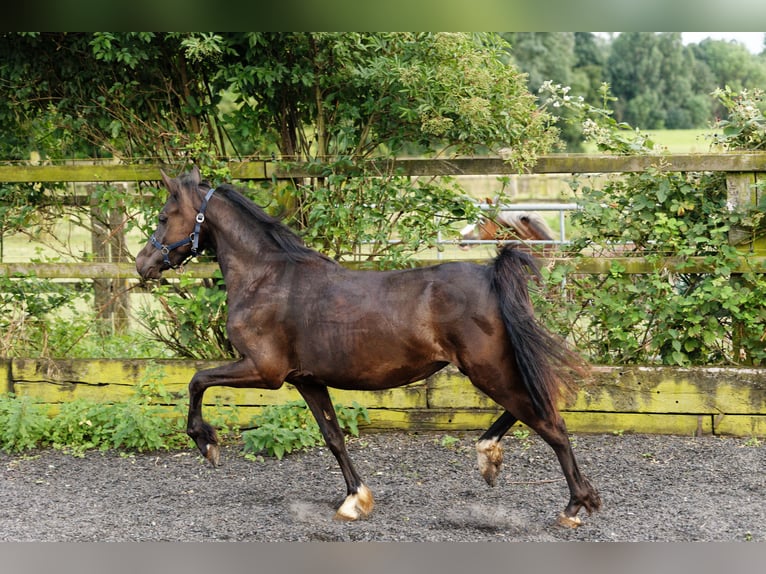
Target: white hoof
[356, 506]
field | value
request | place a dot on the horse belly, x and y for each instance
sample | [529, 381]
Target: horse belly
[356, 356]
[378, 377]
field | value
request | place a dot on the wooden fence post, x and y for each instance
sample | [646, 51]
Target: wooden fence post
[119, 254]
[742, 193]
[108, 245]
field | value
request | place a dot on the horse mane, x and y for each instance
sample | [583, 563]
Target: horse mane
[281, 236]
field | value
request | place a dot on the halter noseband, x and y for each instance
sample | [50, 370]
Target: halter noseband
[193, 236]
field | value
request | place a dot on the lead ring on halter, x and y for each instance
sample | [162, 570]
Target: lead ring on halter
[193, 238]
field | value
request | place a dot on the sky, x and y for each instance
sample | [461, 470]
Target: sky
[752, 40]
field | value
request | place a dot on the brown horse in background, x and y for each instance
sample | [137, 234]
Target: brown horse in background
[510, 225]
[297, 316]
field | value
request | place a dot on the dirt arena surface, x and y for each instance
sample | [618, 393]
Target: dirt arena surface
[426, 485]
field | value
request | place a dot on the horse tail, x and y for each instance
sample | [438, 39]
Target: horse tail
[545, 362]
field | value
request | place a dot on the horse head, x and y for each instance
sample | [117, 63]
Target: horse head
[179, 227]
[507, 225]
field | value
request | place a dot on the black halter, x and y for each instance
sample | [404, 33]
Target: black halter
[193, 236]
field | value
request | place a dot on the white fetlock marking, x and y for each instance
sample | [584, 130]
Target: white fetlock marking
[347, 510]
[365, 501]
[356, 505]
[213, 453]
[569, 521]
[489, 455]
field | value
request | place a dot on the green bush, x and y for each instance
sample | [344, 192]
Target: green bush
[285, 428]
[144, 422]
[668, 316]
[192, 322]
[24, 424]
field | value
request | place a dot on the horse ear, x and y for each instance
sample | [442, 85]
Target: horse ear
[167, 181]
[196, 176]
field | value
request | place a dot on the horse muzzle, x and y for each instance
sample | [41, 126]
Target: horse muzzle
[149, 266]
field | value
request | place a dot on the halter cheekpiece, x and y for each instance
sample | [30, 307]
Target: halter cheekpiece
[193, 238]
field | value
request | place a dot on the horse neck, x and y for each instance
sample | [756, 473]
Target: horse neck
[243, 251]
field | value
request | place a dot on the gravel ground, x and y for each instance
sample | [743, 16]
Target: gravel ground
[426, 486]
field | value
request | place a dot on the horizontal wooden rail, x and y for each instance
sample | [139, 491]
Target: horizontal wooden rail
[264, 170]
[585, 265]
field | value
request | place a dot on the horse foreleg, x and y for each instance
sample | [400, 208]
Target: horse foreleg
[240, 374]
[359, 501]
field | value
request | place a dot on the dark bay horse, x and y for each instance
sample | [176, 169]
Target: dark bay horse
[297, 316]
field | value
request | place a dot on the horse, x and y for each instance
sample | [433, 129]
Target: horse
[297, 316]
[508, 225]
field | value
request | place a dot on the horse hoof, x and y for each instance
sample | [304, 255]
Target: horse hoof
[213, 454]
[356, 506]
[569, 521]
[489, 454]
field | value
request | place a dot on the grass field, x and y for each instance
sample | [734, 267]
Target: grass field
[676, 141]
[682, 141]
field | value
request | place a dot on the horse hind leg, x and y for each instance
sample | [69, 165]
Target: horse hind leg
[489, 451]
[552, 430]
[359, 501]
[582, 494]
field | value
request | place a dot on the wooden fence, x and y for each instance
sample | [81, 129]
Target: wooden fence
[664, 400]
[743, 171]
[615, 399]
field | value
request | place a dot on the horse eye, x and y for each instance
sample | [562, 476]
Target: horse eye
[163, 218]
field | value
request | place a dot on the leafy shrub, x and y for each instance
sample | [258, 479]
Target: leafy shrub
[26, 305]
[667, 315]
[193, 318]
[24, 424]
[385, 218]
[143, 422]
[285, 428]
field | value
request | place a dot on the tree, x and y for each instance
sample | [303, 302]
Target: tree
[633, 72]
[339, 99]
[358, 95]
[728, 64]
[543, 56]
[656, 78]
[128, 95]
[588, 72]
[683, 108]
[572, 59]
